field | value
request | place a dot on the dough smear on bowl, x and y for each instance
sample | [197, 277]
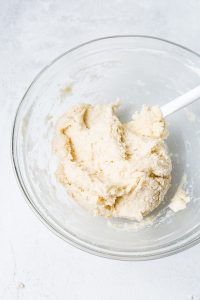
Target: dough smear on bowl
[110, 168]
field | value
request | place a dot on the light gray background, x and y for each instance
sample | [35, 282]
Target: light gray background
[34, 263]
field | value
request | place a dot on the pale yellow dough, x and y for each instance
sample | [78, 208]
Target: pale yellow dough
[110, 168]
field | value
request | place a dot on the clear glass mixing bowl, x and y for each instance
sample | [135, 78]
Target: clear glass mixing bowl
[136, 69]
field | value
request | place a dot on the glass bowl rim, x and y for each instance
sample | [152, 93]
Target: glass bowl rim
[89, 247]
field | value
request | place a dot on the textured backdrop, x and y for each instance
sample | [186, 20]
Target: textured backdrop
[34, 263]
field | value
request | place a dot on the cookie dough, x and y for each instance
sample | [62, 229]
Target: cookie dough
[110, 168]
[181, 198]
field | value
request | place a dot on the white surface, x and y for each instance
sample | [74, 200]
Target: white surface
[181, 101]
[32, 33]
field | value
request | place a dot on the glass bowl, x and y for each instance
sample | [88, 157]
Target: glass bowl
[138, 70]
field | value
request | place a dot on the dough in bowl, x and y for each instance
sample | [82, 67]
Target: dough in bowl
[110, 168]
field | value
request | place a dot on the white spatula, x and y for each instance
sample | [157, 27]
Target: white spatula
[181, 101]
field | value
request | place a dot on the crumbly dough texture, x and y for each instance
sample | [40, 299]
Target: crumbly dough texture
[181, 197]
[110, 168]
